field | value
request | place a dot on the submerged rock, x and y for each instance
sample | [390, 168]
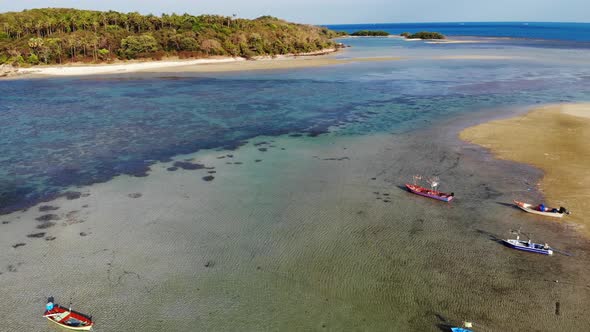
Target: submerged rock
[208, 178]
[36, 235]
[188, 165]
[338, 159]
[135, 195]
[44, 208]
[70, 195]
[48, 217]
[45, 225]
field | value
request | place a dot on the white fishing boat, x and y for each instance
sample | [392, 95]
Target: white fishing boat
[542, 209]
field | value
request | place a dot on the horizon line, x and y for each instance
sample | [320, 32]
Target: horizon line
[454, 22]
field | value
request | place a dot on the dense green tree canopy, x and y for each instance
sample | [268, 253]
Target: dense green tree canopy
[56, 35]
[371, 33]
[424, 35]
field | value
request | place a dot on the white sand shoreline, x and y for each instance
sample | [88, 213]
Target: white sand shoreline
[129, 67]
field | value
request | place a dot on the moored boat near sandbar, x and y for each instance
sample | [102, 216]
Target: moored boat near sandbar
[541, 209]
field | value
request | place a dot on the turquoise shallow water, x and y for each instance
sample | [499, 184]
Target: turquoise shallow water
[74, 131]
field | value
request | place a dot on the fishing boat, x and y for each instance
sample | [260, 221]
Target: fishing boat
[432, 192]
[66, 317]
[542, 209]
[462, 329]
[529, 246]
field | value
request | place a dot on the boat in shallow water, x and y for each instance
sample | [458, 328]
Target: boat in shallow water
[463, 328]
[542, 210]
[529, 246]
[66, 317]
[430, 193]
[460, 329]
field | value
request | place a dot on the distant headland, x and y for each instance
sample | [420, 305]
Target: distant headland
[60, 36]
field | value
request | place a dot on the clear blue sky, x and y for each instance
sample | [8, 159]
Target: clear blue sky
[342, 11]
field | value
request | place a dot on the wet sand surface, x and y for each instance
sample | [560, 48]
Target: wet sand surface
[555, 139]
[296, 233]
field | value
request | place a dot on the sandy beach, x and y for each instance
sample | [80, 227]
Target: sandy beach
[214, 64]
[226, 64]
[555, 139]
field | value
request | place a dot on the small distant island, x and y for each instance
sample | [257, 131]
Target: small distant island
[370, 33]
[423, 35]
[59, 36]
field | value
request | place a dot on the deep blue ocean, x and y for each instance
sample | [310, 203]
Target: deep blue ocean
[59, 133]
[579, 32]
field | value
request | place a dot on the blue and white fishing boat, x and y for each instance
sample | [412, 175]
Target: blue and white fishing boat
[529, 246]
[460, 329]
[463, 328]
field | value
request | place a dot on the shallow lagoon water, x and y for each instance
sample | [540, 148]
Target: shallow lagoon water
[109, 125]
[303, 239]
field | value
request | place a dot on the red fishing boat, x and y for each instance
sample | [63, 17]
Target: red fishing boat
[66, 317]
[432, 193]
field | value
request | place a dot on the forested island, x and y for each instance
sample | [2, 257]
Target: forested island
[57, 36]
[423, 35]
[370, 33]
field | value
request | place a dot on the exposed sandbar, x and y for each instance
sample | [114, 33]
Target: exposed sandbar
[553, 138]
[474, 57]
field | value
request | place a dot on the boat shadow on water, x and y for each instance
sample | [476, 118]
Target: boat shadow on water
[511, 205]
[491, 236]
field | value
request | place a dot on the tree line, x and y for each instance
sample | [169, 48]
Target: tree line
[371, 33]
[56, 35]
[423, 35]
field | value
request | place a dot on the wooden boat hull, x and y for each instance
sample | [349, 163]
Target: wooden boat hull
[83, 328]
[525, 246]
[459, 329]
[430, 193]
[69, 319]
[531, 209]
